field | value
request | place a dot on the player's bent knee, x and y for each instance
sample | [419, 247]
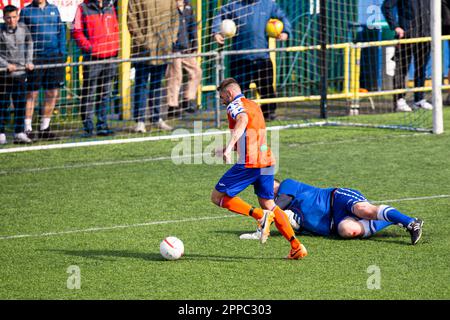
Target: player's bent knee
[349, 229]
[365, 210]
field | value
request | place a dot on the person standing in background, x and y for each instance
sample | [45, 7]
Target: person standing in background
[96, 31]
[49, 37]
[251, 17]
[412, 21]
[153, 26]
[16, 56]
[186, 43]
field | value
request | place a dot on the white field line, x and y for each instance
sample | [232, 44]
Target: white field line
[97, 164]
[109, 142]
[212, 132]
[97, 229]
[144, 160]
[414, 199]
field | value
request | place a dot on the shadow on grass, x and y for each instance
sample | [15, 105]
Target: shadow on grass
[390, 237]
[110, 255]
[237, 233]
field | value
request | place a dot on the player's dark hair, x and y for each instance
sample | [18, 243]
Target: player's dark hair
[9, 8]
[277, 181]
[226, 82]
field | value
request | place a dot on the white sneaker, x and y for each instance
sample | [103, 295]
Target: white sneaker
[264, 224]
[423, 104]
[22, 138]
[3, 138]
[163, 126]
[140, 127]
[402, 106]
[257, 234]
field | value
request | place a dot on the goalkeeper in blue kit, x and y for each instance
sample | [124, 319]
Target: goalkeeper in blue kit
[336, 211]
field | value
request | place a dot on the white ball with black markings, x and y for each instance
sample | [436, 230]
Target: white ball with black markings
[171, 248]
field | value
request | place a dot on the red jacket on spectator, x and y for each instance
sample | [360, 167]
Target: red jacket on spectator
[96, 29]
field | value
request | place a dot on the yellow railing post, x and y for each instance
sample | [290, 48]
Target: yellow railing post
[273, 57]
[354, 80]
[124, 68]
[352, 70]
[80, 70]
[347, 77]
[357, 82]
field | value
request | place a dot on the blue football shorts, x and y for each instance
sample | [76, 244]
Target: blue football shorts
[238, 178]
[343, 202]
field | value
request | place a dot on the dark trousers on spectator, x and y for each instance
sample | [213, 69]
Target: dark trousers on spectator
[96, 94]
[153, 93]
[13, 89]
[259, 71]
[402, 58]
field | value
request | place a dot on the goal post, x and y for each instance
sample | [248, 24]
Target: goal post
[341, 64]
[436, 50]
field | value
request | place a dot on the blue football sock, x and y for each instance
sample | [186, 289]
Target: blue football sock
[373, 226]
[390, 214]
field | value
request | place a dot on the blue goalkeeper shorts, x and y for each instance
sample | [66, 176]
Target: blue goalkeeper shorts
[238, 178]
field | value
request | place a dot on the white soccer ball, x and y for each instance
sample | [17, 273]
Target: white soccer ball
[171, 248]
[228, 28]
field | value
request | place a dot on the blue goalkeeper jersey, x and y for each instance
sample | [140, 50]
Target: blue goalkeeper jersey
[311, 205]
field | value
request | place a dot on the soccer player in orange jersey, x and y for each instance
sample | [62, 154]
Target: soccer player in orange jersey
[255, 166]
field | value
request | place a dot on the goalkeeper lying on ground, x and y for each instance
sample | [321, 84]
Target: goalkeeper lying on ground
[336, 211]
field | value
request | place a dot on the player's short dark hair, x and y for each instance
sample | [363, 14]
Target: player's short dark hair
[9, 8]
[279, 182]
[226, 82]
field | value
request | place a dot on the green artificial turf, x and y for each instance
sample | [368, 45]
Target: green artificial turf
[107, 208]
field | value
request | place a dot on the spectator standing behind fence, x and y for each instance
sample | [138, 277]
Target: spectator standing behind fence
[16, 55]
[413, 22]
[153, 27]
[96, 31]
[445, 9]
[251, 17]
[186, 43]
[49, 37]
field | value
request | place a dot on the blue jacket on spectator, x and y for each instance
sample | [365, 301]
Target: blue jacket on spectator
[251, 17]
[47, 30]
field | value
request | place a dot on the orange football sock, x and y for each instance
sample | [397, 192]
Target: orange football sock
[283, 225]
[237, 205]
